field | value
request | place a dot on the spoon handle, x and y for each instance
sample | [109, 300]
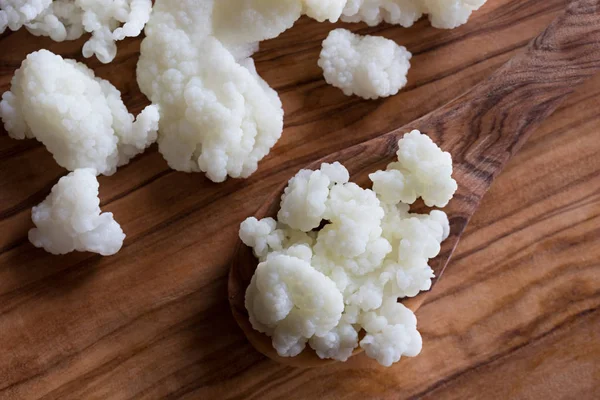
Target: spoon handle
[483, 128]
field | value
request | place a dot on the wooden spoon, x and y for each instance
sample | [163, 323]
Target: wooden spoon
[481, 129]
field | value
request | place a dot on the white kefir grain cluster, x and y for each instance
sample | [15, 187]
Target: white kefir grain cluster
[83, 122]
[107, 20]
[443, 14]
[70, 218]
[367, 66]
[218, 116]
[373, 67]
[80, 118]
[338, 257]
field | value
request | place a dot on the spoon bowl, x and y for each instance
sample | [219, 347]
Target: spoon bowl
[482, 129]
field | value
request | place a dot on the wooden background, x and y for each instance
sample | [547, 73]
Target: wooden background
[515, 316]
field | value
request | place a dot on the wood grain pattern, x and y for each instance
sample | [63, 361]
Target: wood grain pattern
[515, 315]
[482, 129]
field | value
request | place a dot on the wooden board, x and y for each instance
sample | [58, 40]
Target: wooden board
[516, 315]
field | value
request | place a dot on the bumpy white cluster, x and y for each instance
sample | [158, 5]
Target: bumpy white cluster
[445, 14]
[450, 14]
[80, 118]
[367, 66]
[324, 10]
[217, 115]
[15, 13]
[304, 201]
[107, 20]
[341, 256]
[296, 301]
[423, 170]
[70, 218]
[235, 21]
[373, 67]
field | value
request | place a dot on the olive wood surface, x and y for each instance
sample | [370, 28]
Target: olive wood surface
[516, 315]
